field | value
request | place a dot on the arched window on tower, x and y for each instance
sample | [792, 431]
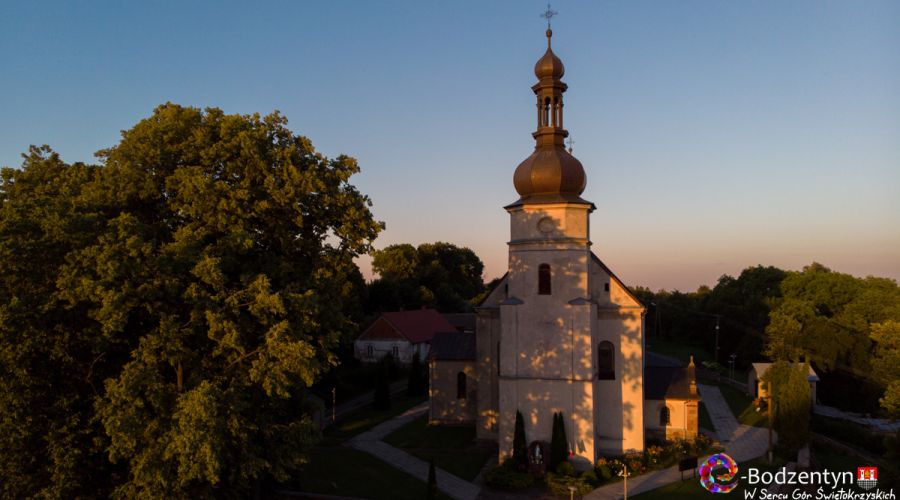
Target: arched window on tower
[546, 113]
[606, 361]
[460, 385]
[665, 416]
[544, 279]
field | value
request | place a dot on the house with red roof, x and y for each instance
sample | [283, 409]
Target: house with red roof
[401, 334]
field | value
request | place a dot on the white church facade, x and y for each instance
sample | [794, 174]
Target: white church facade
[560, 332]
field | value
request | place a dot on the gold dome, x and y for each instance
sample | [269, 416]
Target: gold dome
[549, 66]
[550, 171]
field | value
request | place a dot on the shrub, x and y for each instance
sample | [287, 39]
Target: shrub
[559, 484]
[565, 469]
[602, 471]
[506, 477]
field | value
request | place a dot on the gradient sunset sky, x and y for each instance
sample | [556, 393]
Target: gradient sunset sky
[715, 135]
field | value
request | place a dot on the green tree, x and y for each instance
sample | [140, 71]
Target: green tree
[559, 446]
[792, 407]
[417, 381]
[203, 276]
[886, 363]
[520, 445]
[52, 359]
[432, 491]
[439, 275]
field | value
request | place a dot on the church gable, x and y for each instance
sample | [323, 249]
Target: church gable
[609, 290]
[497, 295]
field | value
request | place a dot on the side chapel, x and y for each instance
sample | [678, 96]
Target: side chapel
[560, 332]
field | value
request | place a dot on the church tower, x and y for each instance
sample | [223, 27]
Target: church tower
[561, 333]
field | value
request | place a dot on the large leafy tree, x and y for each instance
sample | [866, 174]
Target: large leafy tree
[197, 284]
[52, 359]
[440, 275]
[838, 322]
[827, 317]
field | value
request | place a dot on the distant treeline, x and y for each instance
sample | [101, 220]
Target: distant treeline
[847, 327]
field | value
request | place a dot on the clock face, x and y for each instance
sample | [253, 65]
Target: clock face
[546, 225]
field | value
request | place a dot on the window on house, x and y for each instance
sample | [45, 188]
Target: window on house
[606, 361]
[460, 385]
[664, 416]
[396, 352]
[370, 351]
[606, 287]
[544, 279]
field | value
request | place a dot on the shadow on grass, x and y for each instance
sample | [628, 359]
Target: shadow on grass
[452, 447]
[365, 418]
[347, 472]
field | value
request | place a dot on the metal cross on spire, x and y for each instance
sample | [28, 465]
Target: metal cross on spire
[549, 13]
[570, 142]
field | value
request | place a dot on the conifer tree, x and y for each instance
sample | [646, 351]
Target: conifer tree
[416, 382]
[520, 450]
[559, 448]
[432, 492]
[382, 386]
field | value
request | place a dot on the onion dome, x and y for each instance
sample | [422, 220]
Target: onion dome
[550, 171]
[549, 66]
[551, 174]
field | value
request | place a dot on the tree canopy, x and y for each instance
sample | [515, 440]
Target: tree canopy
[828, 317]
[439, 275]
[162, 313]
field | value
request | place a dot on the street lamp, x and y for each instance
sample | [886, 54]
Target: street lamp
[624, 474]
[717, 337]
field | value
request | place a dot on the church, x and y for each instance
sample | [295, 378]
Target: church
[560, 332]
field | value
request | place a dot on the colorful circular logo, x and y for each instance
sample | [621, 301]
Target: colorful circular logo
[716, 480]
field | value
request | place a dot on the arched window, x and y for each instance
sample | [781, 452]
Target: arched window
[606, 361]
[664, 416]
[544, 279]
[460, 385]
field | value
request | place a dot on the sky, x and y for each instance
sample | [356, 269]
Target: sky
[715, 135]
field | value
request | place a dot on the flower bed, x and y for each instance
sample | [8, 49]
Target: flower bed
[607, 469]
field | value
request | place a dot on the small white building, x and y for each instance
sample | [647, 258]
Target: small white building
[757, 388]
[401, 334]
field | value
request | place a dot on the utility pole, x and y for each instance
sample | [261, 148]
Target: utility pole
[770, 410]
[733, 356]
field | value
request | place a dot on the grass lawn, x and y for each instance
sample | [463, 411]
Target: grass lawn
[347, 472]
[742, 406]
[705, 421]
[453, 448]
[690, 488]
[365, 418]
[680, 350]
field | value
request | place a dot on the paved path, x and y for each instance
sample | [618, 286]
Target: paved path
[371, 442]
[741, 442]
[879, 424]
